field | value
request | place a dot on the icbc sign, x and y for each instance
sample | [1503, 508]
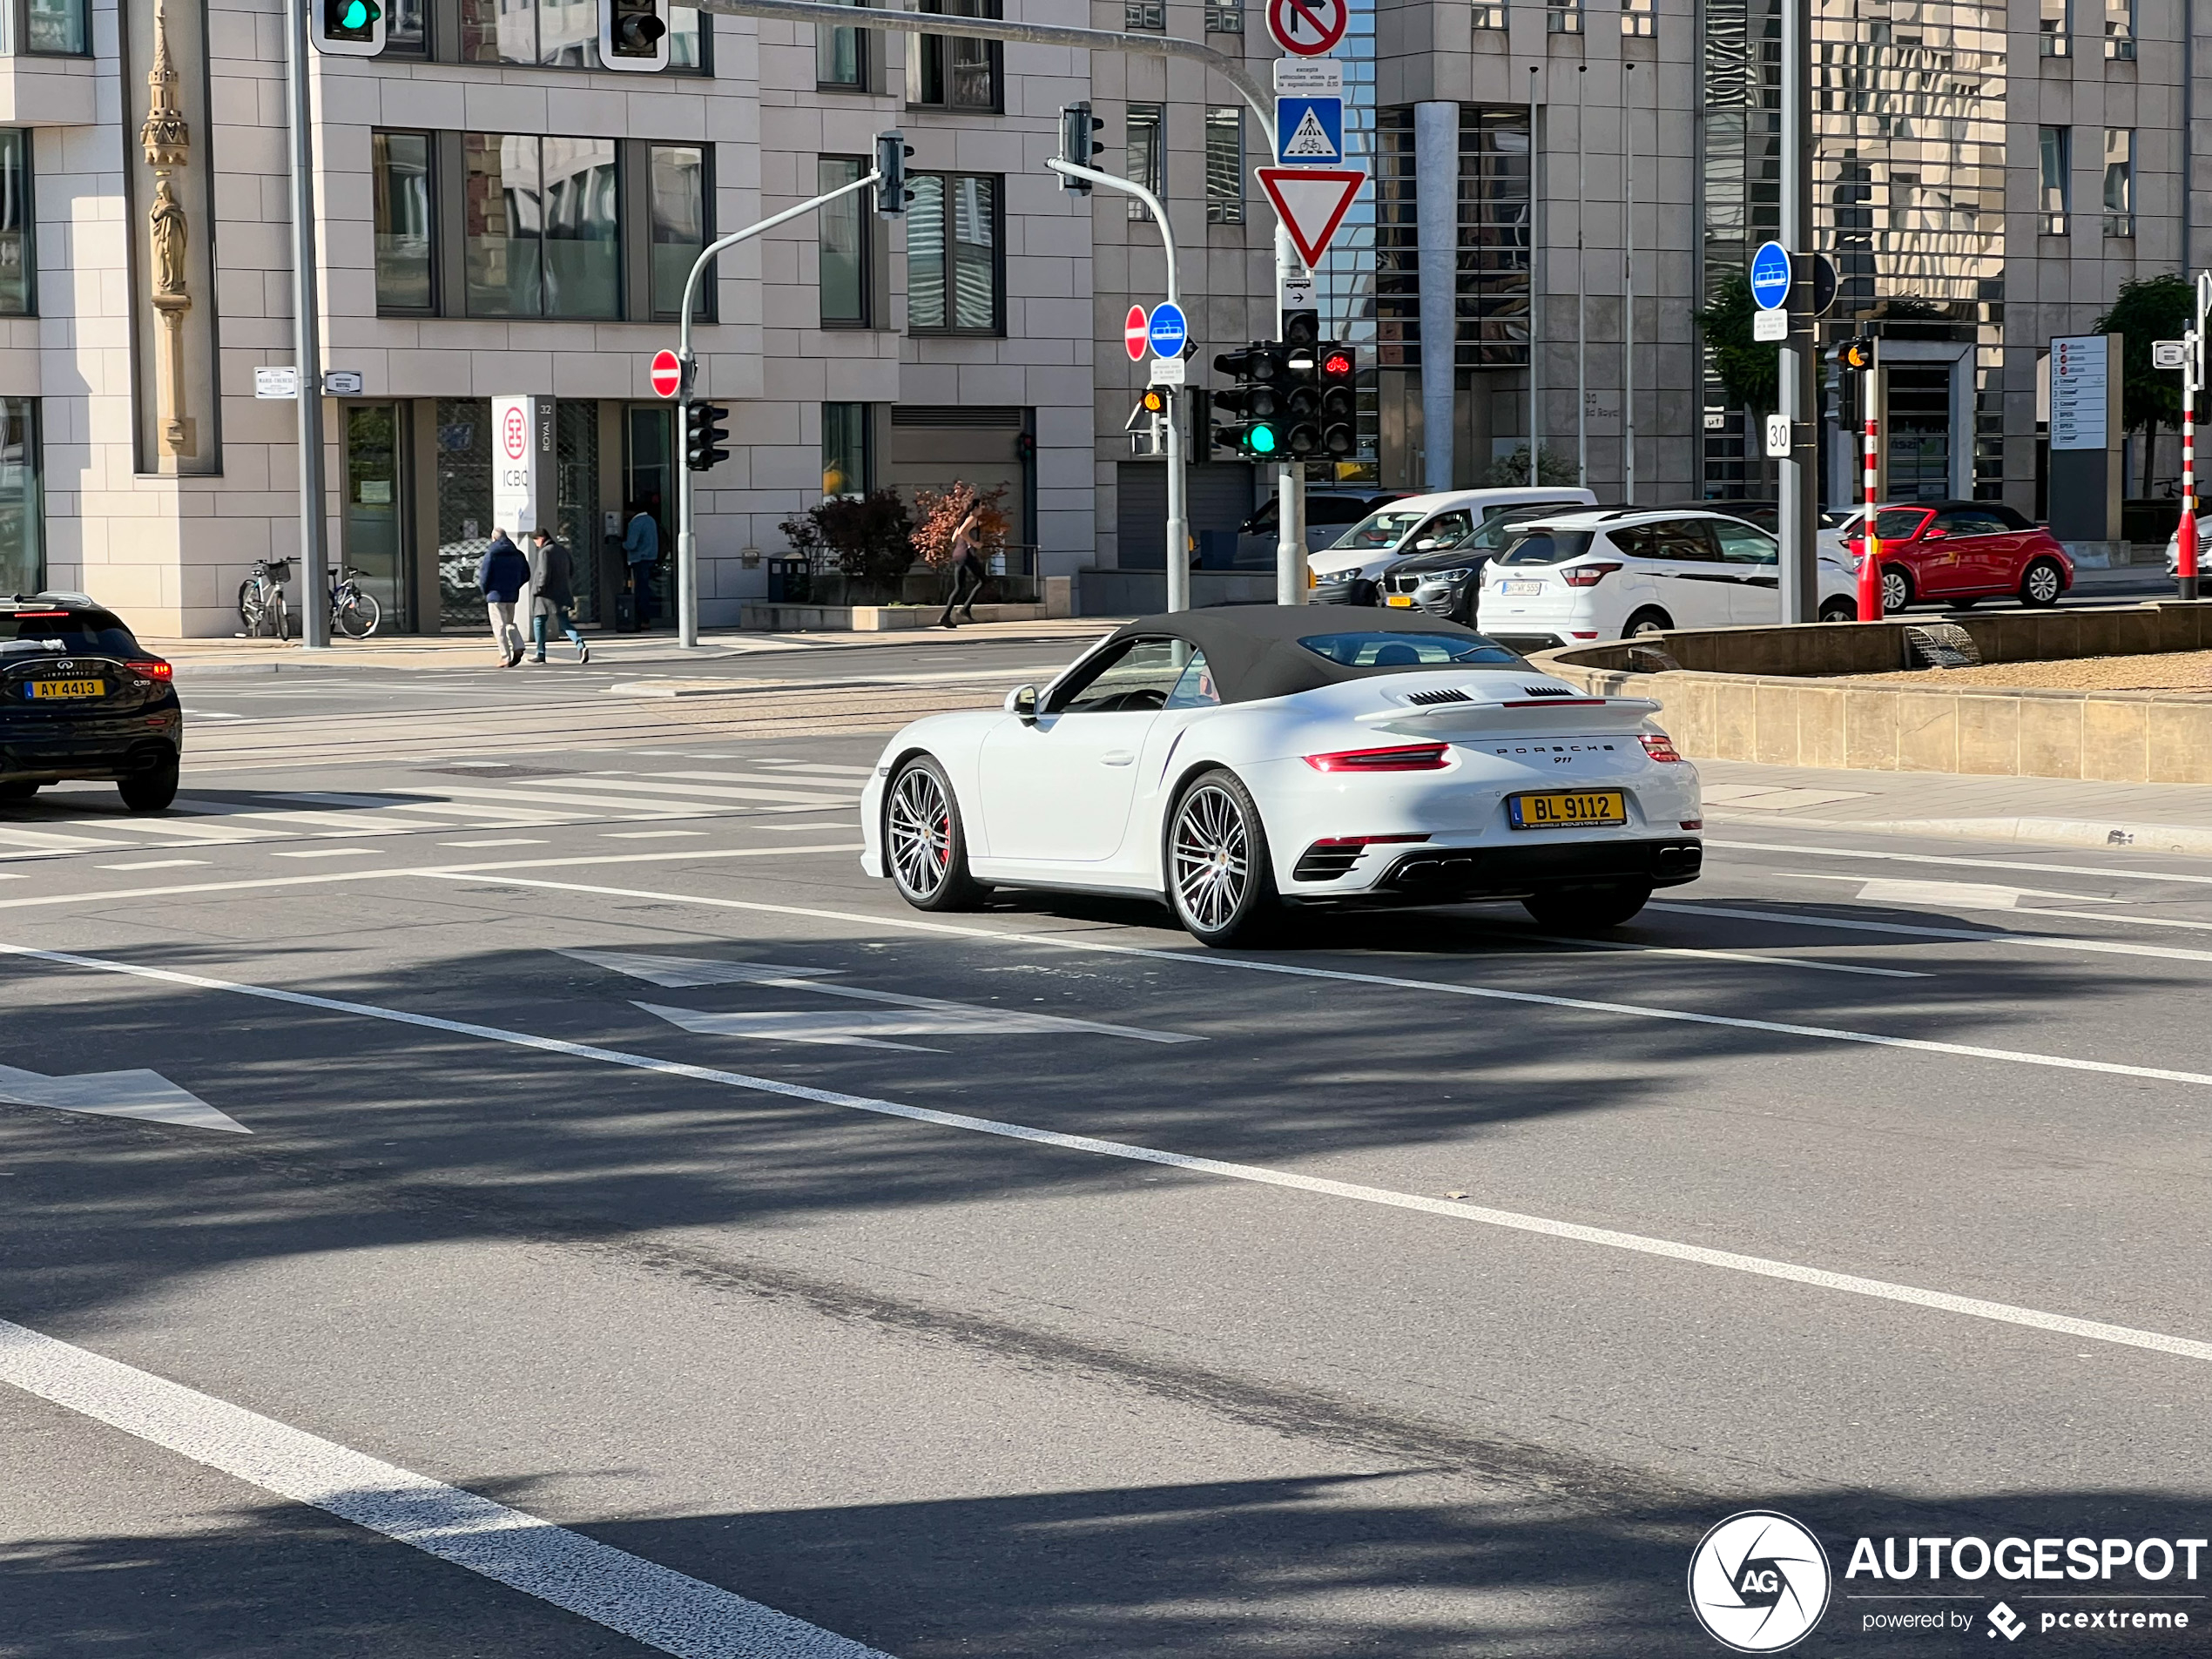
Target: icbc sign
[515, 432]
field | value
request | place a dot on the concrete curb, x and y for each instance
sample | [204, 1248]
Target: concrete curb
[2036, 832]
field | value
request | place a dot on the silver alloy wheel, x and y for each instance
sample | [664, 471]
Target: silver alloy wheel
[919, 831]
[1211, 854]
[1895, 595]
[2042, 582]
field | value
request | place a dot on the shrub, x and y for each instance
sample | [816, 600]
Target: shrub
[941, 512]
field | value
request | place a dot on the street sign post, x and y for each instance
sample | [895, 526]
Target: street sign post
[1169, 330]
[1771, 276]
[1309, 132]
[1134, 333]
[1308, 28]
[1311, 203]
[667, 374]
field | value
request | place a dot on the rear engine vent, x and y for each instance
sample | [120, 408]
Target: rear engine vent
[1549, 690]
[1428, 699]
[1326, 860]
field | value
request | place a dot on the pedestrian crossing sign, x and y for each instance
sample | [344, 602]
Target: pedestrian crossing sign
[1309, 132]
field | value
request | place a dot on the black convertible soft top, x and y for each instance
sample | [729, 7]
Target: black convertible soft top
[1254, 651]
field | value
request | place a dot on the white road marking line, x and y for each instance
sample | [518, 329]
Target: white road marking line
[854, 1030]
[780, 780]
[41, 841]
[587, 806]
[704, 795]
[690, 855]
[153, 864]
[1445, 988]
[1641, 1243]
[1964, 863]
[818, 766]
[1694, 952]
[691, 973]
[328, 853]
[1979, 936]
[642, 1599]
[645, 835]
[146, 1095]
[518, 840]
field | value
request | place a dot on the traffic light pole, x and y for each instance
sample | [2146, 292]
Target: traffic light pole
[687, 546]
[307, 347]
[1178, 528]
[1799, 502]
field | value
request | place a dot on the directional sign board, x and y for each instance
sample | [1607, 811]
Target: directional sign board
[667, 374]
[1309, 77]
[1771, 276]
[1169, 330]
[1133, 334]
[1309, 131]
[1312, 202]
[1769, 328]
[1308, 28]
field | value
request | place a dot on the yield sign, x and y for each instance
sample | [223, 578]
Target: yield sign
[1134, 334]
[1312, 202]
[667, 374]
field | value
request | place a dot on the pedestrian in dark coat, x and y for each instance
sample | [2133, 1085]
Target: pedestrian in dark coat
[552, 593]
[503, 573]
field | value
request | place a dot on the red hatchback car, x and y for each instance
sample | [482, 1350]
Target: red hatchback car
[1959, 551]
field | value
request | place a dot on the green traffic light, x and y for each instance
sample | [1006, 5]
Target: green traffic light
[356, 14]
[1262, 441]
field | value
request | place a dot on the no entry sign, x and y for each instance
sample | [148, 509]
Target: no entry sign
[668, 373]
[1309, 28]
[1133, 334]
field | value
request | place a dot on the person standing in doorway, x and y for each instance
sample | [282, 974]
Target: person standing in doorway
[968, 569]
[502, 574]
[552, 593]
[641, 548]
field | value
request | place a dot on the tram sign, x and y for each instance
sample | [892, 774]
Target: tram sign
[1771, 276]
[1169, 330]
[667, 374]
[1308, 28]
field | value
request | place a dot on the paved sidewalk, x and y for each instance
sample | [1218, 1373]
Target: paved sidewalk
[2046, 812]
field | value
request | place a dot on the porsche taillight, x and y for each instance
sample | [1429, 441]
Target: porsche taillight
[1658, 745]
[1411, 756]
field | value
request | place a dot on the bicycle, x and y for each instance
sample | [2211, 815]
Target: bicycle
[260, 599]
[354, 610]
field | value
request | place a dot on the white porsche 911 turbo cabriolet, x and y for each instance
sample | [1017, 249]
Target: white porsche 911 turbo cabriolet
[1246, 761]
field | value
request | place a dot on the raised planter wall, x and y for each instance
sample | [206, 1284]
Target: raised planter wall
[1743, 694]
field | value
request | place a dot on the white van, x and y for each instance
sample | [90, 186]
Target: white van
[1419, 524]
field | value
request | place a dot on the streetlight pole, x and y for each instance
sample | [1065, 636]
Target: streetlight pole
[687, 546]
[306, 344]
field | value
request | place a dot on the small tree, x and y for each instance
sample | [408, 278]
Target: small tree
[1750, 371]
[2149, 308]
[942, 513]
[1552, 467]
[870, 535]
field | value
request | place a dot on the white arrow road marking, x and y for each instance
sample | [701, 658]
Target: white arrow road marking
[654, 1604]
[144, 1095]
[1957, 895]
[943, 1018]
[1606, 1237]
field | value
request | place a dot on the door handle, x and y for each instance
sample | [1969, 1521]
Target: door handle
[1119, 756]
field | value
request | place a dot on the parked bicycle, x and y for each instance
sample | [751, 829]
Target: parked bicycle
[354, 610]
[261, 601]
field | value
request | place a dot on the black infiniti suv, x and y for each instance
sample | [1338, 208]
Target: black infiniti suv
[79, 698]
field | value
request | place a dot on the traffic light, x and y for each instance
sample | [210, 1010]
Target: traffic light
[1302, 400]
[1148, 423]
[892, 191]
[1855, 354]
[1340, 370]
[633, 35]
[1301, 329]
[1079, 135]
[703, 434]
[1257, 403]
[348, 28]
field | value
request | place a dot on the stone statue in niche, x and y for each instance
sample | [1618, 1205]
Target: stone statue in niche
[166, 139]
[169, 236]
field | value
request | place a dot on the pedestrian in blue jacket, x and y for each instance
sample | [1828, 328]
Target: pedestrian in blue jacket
[503, 573]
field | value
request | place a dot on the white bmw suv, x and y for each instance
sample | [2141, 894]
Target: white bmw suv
[1578, 576]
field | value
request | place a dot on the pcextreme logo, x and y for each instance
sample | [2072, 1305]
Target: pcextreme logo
[1759, 1581]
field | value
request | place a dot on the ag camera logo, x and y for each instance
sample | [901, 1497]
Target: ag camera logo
[1759, 1581]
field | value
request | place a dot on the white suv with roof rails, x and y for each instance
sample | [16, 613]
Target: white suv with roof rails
[1581, 577]
[1418, 524]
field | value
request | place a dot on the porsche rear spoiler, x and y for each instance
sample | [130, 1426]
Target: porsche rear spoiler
[1436, 714]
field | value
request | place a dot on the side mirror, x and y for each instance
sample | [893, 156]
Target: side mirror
[1935, 535]
[1022, 702]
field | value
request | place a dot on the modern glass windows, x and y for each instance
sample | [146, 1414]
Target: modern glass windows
[375, 508]
[840, 55]
[1148, 15]
[956, 74]
[407, 28]
[55, 26]
[2054, 195]
[18, 260]
[845, 450]
[953, 268]
[2119, 181]
[22, 514]
[679, 228]
[401, 169]
[1146, 158]
[564, 33]
[541, 235]
[842, 227]
[1226, 164]
[2120, 28]
[1492, 283]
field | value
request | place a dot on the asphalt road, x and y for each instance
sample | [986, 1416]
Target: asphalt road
[1035, 1281]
